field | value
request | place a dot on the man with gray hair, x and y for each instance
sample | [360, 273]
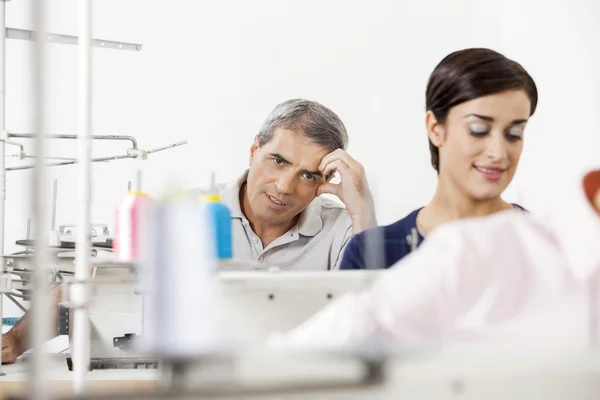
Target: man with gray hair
[279, 218]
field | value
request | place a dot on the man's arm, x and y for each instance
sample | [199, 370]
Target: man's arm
[16, 341]
[353, 190]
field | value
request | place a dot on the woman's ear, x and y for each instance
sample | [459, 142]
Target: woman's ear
[435, 130]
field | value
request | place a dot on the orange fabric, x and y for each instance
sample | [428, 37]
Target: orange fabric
[591, 185]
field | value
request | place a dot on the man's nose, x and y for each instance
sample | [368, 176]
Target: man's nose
[286, 183]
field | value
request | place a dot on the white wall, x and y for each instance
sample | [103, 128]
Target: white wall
[211, 71]
[558, 41]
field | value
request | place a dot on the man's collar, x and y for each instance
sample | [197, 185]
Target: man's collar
[230, 196]
[309, 224]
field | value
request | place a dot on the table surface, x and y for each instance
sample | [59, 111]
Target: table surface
[60, 378]
[493, 373]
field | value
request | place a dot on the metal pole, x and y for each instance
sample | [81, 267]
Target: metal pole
[40, 305]
[99, 159]
[81, 327]
[54, 193]
[2, 150]
[76, 137]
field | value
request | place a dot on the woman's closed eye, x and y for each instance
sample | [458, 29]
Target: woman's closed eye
[478, 130]
[515, 133]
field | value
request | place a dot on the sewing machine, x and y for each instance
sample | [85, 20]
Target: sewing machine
[61, 260]
[253, 304]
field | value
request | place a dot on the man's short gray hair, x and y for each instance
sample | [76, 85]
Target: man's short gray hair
[315, 121]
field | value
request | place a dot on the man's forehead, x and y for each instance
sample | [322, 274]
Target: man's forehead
[296, 148]
[290, 137]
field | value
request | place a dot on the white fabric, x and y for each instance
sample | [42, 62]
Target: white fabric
[511, 277]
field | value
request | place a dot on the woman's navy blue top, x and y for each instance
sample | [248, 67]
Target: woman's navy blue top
[387, 244]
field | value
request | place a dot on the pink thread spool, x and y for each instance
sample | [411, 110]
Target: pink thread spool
[131, 222]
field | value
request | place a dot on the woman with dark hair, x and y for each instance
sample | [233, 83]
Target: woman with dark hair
[478, 103]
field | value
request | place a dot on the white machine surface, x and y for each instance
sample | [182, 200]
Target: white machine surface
[255, 304]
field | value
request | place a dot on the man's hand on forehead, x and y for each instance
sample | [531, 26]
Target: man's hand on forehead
[353, 190]
[327, 178]
[321, 176]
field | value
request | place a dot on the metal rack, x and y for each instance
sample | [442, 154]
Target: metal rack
[40, 323]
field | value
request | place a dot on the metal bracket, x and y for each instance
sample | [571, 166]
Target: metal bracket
[3, 135]
[119, 363]
[69, 229]
[21, 154]
[138, 153]
[76, 137]
[134, 152]
[125, 342]
[63, 319]
[24, 34]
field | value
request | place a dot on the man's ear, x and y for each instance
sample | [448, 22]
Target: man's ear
[435, 130]
[253, 149]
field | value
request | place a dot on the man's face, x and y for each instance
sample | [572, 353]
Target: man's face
[284, 176]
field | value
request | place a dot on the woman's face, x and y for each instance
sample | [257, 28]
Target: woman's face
[481, 142]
